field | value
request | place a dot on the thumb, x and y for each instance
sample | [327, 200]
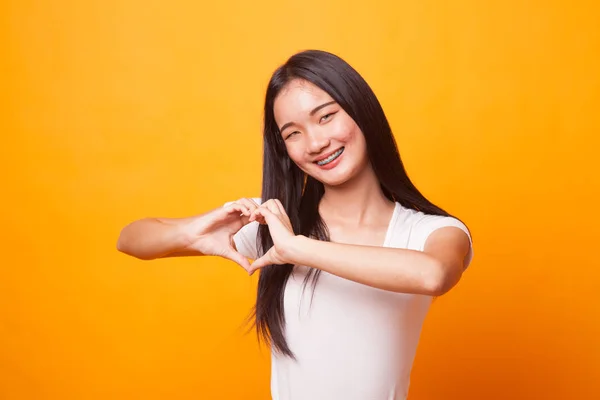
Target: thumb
[236, 257]
[259, 263]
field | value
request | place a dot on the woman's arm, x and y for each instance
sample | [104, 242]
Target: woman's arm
[152, 238]
[433, 271]
[210, 233]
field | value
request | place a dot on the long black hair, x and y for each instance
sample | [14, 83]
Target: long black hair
[300, 194]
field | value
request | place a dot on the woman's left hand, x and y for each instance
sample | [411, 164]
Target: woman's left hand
[273, 214]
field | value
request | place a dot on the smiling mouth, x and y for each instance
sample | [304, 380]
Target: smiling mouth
[331, 158]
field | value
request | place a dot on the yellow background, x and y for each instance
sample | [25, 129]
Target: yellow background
[118, 110]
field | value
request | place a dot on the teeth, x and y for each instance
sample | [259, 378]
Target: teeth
[331, 157]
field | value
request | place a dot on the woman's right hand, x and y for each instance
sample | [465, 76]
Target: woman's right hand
[212, 233]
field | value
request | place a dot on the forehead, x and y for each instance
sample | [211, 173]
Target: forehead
[297, 99]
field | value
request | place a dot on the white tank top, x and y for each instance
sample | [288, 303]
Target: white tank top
[351, 341]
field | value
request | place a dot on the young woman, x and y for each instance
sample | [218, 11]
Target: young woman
[350, 253]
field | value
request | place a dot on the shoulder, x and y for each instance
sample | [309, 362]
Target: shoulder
[426, 224]
[422, 227]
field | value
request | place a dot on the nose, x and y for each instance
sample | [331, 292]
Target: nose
[317, 141]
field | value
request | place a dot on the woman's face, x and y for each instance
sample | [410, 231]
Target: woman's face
[321, 139]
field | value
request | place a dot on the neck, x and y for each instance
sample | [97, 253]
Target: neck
[358, 201]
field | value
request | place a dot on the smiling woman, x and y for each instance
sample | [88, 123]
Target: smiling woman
[338, 213]
[320, 137]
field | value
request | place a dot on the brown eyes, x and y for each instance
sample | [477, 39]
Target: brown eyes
[291, 134]
[323, 119]
[326, 117]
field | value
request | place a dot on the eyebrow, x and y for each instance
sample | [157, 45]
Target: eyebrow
[313, 112]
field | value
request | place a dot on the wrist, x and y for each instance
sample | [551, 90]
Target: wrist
[184, 236]
[295, 249]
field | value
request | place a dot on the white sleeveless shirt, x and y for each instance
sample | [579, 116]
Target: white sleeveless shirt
[351, 341]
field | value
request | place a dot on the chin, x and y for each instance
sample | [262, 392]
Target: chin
[333, 183]
[334, 178]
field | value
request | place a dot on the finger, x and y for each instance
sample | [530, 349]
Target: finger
[259, 263]
[256, 214]
[253, 214]
[280, 206]
[239, 208]
[249, 203]
[236, 257]
[268, 205]
[254, 202]
[264, 214]
[258, 217]
[272, 206]
[284, 216]
[247, 206]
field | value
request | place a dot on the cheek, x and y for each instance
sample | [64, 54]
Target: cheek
[295, 152]
[346, 130]
[355, 140]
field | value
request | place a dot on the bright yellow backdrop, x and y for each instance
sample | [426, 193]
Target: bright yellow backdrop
[117, 110]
